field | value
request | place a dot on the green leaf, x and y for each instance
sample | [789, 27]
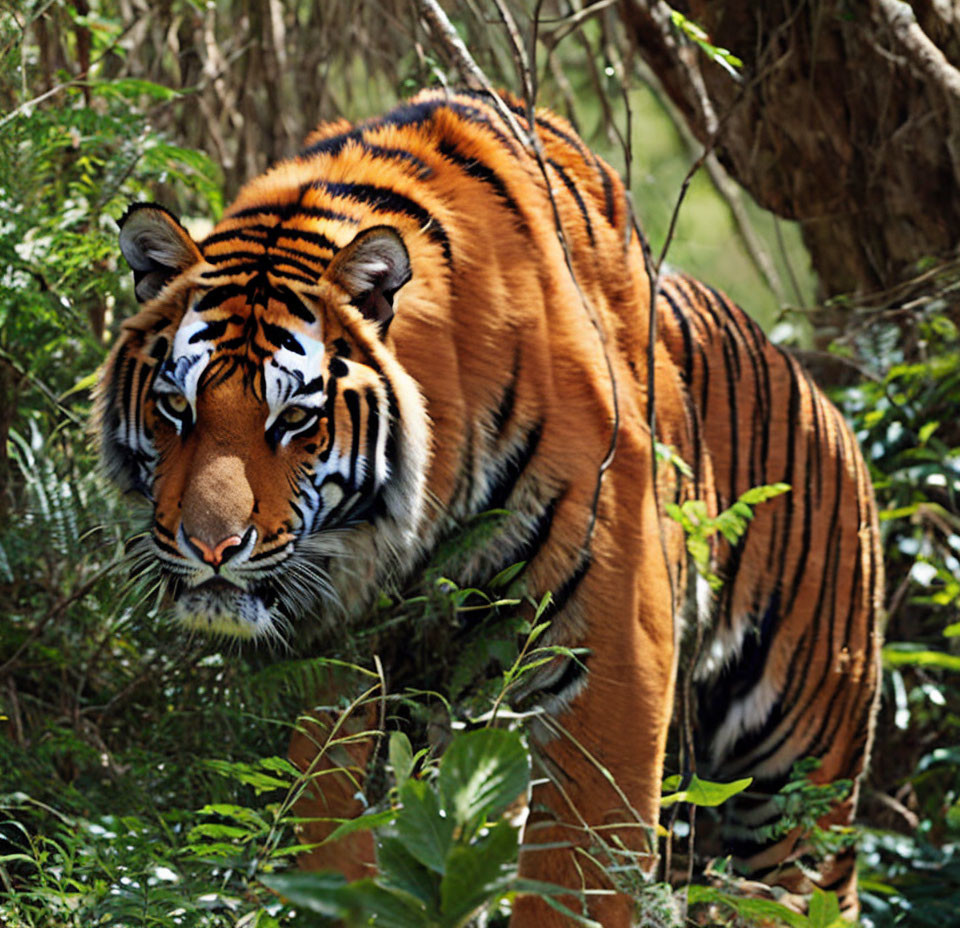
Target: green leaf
[702, 792]
[246, 773]
[323, 892]
[504, 577]
[761, 494]
[360, 823]
[825, 911]
[391, 907]
[926, 430]
[900, 653]
[482, 772]
[424, 830]
[400, 869]
[479, 872]
[758, 910]
[939, 756]
[212, 830]
[401, 757]
[134, 87]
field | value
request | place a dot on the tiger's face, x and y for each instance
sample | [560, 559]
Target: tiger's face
[267, 423]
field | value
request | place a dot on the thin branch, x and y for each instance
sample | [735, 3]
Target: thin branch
[444, 29]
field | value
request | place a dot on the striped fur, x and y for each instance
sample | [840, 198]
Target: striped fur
[381, 338]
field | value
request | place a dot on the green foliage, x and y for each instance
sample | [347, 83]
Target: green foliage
[722, 56]
[905, 416]
[699, 526]
[824, 909]
[446, 852]
[701, 792]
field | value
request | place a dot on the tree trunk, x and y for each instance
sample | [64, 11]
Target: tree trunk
[847, 119]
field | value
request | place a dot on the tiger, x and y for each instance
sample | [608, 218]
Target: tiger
[423, 317]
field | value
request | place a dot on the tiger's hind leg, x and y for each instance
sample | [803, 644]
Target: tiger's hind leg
[788, 697]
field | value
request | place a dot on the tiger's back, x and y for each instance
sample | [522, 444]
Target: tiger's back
[383, 338]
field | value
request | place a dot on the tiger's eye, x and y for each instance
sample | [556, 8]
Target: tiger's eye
[177, 403]
[293, 416]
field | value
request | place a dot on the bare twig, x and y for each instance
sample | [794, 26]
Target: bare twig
[445, 31]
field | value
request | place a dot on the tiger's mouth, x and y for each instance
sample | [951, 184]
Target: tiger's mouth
[219, 607]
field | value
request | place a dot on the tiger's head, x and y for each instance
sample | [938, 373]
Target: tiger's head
[254, 402]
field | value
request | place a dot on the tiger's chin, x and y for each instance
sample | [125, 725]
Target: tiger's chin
[222, 609]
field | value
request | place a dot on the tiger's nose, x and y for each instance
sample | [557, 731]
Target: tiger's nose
[219, 553]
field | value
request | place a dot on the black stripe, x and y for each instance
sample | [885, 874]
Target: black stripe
[416, 114]
[740, 676]
[243, 234]
[575, 193]
[575, 670]
[329, 410]
[538, 535]
[477, 169]
[163, 546]
[304, 235]
[127, 394]
[504, 410]
[163, 530]
[290, 258]
[250, 267]
[398, 154]
[609, 207]
[352, 402]
[279, 337]
[331, 145]
[572, 141]
[733, 417]
[684, 326]
[210, 331]
[563, 594]
[514, 467]
[293, 303]
[290, 211]
[213, 298]
[385, 200]
[373, 433]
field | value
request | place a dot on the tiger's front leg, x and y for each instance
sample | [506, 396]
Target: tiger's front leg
[602, 743]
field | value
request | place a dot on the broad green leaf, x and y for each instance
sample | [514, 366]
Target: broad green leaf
[425, 831]
[390, 907]
[825, 911]
[323, 892]
[702, 792]
[478, 872]
[400, 869]
[482, 772]
[401, 757]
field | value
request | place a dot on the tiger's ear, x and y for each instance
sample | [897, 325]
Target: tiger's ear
[156, 247]
[372, 268]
